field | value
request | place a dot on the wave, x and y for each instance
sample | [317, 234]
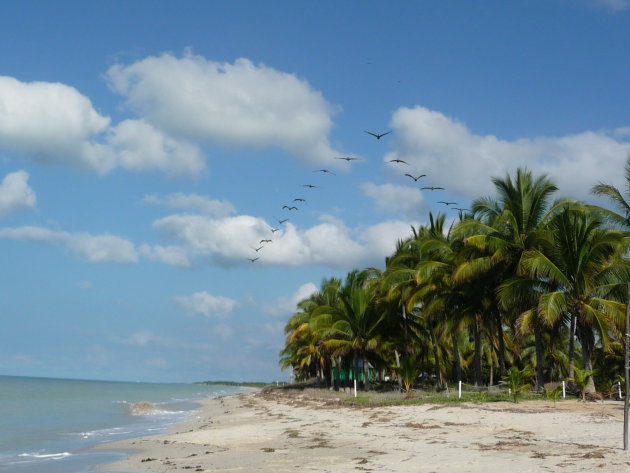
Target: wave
[51, 456]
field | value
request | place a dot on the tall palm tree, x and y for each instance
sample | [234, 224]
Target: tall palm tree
[352, 325]
[509, 225]
[581, 273]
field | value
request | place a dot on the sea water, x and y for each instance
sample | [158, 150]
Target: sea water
[50, 425]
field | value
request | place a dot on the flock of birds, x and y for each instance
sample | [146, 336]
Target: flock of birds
[300, 200]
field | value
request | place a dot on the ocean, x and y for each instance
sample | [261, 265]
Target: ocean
[50, 425]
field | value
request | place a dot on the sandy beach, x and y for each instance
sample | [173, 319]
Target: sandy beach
[311, 431]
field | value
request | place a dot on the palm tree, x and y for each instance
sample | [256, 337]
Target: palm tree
[509, 225]
[580, 273]
[351, 326]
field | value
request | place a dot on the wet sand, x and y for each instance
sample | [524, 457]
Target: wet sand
[312, 431]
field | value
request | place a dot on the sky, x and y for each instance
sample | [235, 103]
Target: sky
[147, 148]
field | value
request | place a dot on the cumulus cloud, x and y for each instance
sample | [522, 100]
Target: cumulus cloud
[240, 104]
[285, 306]
[54, 124]
[193, 202]
[171, 255]
[229, 241]
[463, 162]
[393, 198]
[15, 193]
[206, 304]
[90, 248]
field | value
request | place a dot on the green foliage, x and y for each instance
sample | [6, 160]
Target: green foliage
[408, 372]
[517, 381]
[553, 394]
[580, 380]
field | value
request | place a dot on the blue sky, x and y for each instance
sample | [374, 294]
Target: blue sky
[147, 147]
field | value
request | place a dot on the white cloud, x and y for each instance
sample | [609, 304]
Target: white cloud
[233, 104]
[614, 5]
[196, 202]
[90, 248]
[207, 304]
[138, 146]
[54, 124]
[455, 158]
[401, 199]
[102, 248]
[285, 306]
[171, 255]
[229, 241]
[15, 193]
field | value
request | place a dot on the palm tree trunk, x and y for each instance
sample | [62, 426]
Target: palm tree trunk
[477, 362]
[501, 351]
[398, 369]
[540, 359]
[366, 372]
[572, 346]
[436, 356]
[587, 338]
[457, 365]
[405, 329]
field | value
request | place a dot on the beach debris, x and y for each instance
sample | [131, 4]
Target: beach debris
[141, 408]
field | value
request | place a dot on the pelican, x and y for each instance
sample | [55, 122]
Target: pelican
[446, 203]
[266, 241]
[348, 158]
[299, 199]
[289, 207]
[310, 186]
[253, 259]
[398, 161]
[433, 188]
[325, 171]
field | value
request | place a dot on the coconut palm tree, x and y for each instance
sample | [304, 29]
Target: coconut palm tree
[581, 273]
[507, 227]
[352, 326]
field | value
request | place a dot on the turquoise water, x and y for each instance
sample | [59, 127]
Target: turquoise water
[49, 425]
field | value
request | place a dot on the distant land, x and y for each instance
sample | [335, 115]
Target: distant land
[246, 384]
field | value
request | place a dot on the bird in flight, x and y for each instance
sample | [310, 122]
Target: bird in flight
[274, 230]
[257, 249]
[253, 259]
[282, 221]
[325, 171]
[289, 207]
[310, 186]
[415, 178]
[461, 210]
[348, 158]
[433, 188]
[446, 203]
[266, 241]
[398, 161]
[299, 199]
[378, 136]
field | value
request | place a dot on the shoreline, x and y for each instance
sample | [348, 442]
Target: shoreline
[273, 431]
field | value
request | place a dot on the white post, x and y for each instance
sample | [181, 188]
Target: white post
[355, 387]
[509, 391]
[564, 390]
[619, 386]
[460, 390]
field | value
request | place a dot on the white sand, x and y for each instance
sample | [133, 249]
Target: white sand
[278, 433]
